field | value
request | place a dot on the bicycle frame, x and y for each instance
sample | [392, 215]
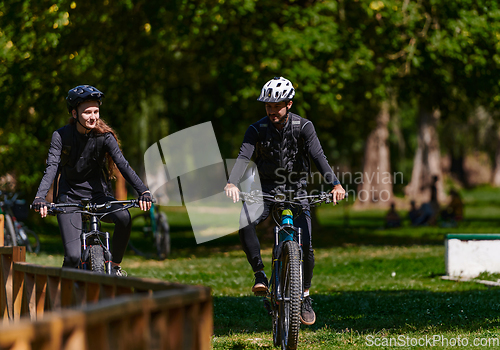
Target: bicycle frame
[286, 290]
[286, 232]
[152, 215]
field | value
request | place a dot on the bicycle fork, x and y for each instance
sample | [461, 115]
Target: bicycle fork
[95, 234]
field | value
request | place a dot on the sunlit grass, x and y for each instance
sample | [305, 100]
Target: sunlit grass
[370, 283]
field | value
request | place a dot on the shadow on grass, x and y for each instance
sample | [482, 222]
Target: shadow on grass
[183, 242]
[360, 230]
[369, 312]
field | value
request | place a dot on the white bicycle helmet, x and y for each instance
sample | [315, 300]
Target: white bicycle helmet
[276, 90]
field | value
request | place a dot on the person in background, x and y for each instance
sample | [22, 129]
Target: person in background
[392, 219]
[414, 213]
[453, 213]
[429, 211]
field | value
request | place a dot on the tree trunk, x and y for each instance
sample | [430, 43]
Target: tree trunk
[457, 165]
[427, 161]
[496, 172]
[376, 187]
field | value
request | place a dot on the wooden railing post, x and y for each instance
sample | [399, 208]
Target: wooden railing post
[30, 294]
[1, 230]
[17, 294]
[10, 290]
[205, 325]
[41, 293]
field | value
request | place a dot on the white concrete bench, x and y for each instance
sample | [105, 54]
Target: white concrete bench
[468, 254]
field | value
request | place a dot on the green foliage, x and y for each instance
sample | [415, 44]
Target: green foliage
[165, 66]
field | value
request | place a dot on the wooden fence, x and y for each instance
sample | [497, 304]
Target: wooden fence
[58, 308]
[1, 229]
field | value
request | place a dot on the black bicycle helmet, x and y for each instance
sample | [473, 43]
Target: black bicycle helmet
[82, 93]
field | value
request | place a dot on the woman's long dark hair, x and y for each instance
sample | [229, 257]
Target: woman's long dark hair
[102, 128]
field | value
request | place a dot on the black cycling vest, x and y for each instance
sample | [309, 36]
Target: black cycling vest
[281, 154]
[77, 164]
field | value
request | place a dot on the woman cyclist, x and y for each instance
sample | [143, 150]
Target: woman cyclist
[81, 160]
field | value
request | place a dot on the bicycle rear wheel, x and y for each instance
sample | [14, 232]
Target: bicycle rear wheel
[163, 237]
[96, 258]
[291, 284]
[140, 244]
[9, 234]
[30, 240]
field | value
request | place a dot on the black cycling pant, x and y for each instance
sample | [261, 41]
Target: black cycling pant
[70, 226]
[251, 245]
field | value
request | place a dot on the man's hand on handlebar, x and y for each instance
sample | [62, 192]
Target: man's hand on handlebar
[338, 193]
[232, 192]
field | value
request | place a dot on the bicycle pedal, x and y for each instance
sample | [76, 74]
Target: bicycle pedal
[260, 294]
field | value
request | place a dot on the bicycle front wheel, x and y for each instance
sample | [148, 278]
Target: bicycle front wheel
[96, 258]
[9, 235]
[163, 237]
[291, 283]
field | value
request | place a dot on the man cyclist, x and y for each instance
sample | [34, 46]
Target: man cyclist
[81, 160]
[282, 143]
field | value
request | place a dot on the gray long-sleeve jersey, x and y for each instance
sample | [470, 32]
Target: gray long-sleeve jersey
[88, 183]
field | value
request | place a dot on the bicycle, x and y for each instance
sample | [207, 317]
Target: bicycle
[284, 298]
[95, 255]
[16, 232]
[154, 225]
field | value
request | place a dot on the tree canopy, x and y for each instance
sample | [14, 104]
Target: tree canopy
[165, 66]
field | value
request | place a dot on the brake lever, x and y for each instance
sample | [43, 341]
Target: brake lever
[56, 211]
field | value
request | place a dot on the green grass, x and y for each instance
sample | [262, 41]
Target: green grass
[370, 284]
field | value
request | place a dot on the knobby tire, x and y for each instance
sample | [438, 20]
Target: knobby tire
[10, 237]
[290, 306]
[275, 307]
[96, 258]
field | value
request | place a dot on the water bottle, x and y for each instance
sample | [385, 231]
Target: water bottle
[287, 219]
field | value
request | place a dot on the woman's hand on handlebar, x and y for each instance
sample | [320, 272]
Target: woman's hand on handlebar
[232, 192]
[40, 206]
[145, 201]
[338, 193]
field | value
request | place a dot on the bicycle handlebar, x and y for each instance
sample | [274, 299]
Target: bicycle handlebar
[257, 196]
[57, 208]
